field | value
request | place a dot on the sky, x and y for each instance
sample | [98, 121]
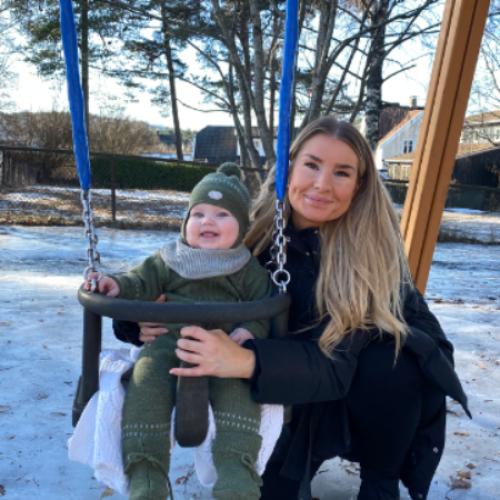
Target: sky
[29, 92]
[106, 94]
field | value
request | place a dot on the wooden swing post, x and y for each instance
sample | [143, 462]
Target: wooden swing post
[452, 73]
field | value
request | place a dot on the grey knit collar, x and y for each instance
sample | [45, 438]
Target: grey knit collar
[197, 263]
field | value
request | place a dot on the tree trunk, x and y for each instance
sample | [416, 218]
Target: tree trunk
[84, 30]
[273, 68]
[259, 76]
[171, 82]
[242, 71]
[272, 95]
[327, 17]
[376, 56]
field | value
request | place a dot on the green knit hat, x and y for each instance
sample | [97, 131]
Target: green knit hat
[223, 188]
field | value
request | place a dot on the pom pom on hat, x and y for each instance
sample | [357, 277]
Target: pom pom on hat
[230, 168]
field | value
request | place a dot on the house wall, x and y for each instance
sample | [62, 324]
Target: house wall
[399, 171]
[480, 169]
[459, 196]
[215, 145]
[402, 141]
[481, 132]
[15, 172]
[257, 142]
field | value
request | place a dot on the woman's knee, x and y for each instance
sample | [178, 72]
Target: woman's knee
[385, 407]
[385, 386]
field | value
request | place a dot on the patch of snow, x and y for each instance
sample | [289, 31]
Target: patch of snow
[471, 211]
[40, 341]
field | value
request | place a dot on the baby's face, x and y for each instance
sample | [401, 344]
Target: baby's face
[211, 227]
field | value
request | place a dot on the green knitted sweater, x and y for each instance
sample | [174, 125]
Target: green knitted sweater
[153, 277]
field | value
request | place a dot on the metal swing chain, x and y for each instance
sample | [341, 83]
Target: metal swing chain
[93, 255]
[280, 276]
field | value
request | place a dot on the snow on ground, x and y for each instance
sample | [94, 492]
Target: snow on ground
[60, 205]
[40, 336]
[157, 209]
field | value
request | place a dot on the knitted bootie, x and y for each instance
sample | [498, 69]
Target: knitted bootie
[147, 482]
[234, 455]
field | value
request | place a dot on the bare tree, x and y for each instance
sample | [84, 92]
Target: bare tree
[7, 76]
[52, 130]
[349, 48]
[340, 68]
[38, 22]
[485, 94]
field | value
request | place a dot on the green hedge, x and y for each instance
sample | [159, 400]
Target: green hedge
[138, 173]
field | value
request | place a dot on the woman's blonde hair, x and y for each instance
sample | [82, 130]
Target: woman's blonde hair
[363, 267]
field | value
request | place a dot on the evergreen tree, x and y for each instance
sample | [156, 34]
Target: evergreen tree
[153, 34]
[38, 20]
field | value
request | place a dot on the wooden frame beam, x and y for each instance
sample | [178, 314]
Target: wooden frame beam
[452, 74]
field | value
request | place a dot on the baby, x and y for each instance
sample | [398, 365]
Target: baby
[208, 262]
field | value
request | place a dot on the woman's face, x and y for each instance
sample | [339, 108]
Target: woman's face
[323, 181]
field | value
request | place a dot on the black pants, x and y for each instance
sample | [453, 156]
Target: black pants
[384, 410]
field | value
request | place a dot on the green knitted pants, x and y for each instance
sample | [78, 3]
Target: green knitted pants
[146, 428]
[237, 441]
[146, 420]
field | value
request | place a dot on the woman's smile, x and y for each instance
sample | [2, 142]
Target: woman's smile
[316, 200]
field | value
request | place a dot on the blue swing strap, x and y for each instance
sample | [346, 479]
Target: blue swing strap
[80, 137]
[281, 276]
[286, 89]
[89, 381]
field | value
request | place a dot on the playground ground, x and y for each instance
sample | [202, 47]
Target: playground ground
[40, 336]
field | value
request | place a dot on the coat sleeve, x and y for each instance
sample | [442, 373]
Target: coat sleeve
[434, 352]
[145, 281]
[297, 371]
[418, 316]
[256, 285]
[127, 331]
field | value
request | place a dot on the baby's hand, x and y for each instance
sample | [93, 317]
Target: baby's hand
[104, 285]
[240, 335]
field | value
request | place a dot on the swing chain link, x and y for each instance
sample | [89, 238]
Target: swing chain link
[280, 276]
[93, 255]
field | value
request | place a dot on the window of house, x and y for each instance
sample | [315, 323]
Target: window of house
[408, 146]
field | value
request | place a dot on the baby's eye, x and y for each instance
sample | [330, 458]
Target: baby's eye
[222, 214]
[196, 215]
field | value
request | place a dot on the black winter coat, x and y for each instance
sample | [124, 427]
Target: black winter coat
[317, 385]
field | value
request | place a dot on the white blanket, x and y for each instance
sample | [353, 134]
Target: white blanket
[96, 440]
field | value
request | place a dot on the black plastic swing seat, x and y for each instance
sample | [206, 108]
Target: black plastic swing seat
[191, 421]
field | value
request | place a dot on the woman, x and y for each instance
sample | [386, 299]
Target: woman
[365, 366]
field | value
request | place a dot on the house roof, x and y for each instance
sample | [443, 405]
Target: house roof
[467, 149]
[409, 116]
[490, 116]
[391, 115]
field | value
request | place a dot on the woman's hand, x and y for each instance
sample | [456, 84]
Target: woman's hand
[213, 353]
[240, 335]
[151, 331]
